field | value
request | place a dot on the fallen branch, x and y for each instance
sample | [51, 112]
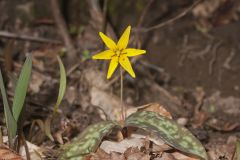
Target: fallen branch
[140, 22]
[229, 59]
[214, 57]
[72, 53]
[182, 14]
[9, 35]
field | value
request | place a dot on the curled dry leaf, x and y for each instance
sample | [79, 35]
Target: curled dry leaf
[34, 151]
[136, 154]
[180, 156]
[175, 156]
[99, 154]
[154, 107]
[122, 146]
[37, 80]
[7, 154]
[71, 94]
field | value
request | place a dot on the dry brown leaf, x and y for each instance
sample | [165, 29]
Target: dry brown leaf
[7, 154]
[37, 81]
[160, 148]
[154, 107]
[165, 156]
[222, 125]
[206, 8]
[180, 156]
[34, 151]
[71, 94]
[58, 137]
[199, 118]
[116, 156]
[99, 154]
[134, 153]
[122, 146]
[138, 156]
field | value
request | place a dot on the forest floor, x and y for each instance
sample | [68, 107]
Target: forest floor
[193, 74]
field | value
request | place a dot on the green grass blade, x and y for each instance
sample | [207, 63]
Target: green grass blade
[62, 85]
[21, 88]
[88, 141]
[169, 131]
[238, 150]
[10, 121]
[47, 128]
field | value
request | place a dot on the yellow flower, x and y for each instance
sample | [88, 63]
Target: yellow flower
[118, 53]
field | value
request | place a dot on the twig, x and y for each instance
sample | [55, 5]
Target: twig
[98, 17]
[228, 60]
[213, 60]
[201, 53]
[1, 136]
[182, 14]
[105, 9]
[152, 66]
[140, 22]
[72, 54]
[234, 152]
[25, 145]
[143, 15]
[104, 23]
[73, 68]
[185, 53]
[9, 35]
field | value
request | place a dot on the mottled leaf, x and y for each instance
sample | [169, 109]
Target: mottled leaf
[21, 88]
[88, 141]
[168, 130]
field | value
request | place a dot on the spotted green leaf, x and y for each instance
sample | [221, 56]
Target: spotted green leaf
[88, 141]
[169, 131]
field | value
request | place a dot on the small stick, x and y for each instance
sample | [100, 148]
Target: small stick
[25, 145]
[213, 60]
[9, 35]
[72, 53]
[182, 14]
[1, 136]
[228, 60]
[105, 9]
[140, 22]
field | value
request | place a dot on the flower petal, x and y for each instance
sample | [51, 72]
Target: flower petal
[125, 63]
[112, 66]
[123, 41]
[134, 52]
[104, 55]
[108, 41]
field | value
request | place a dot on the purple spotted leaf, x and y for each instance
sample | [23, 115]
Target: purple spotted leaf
[88, 141]
[169, 131]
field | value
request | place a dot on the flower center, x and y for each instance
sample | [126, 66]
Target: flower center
[118, 53]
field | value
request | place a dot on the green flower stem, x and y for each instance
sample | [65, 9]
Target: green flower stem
[123, 110]
[1, 136]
